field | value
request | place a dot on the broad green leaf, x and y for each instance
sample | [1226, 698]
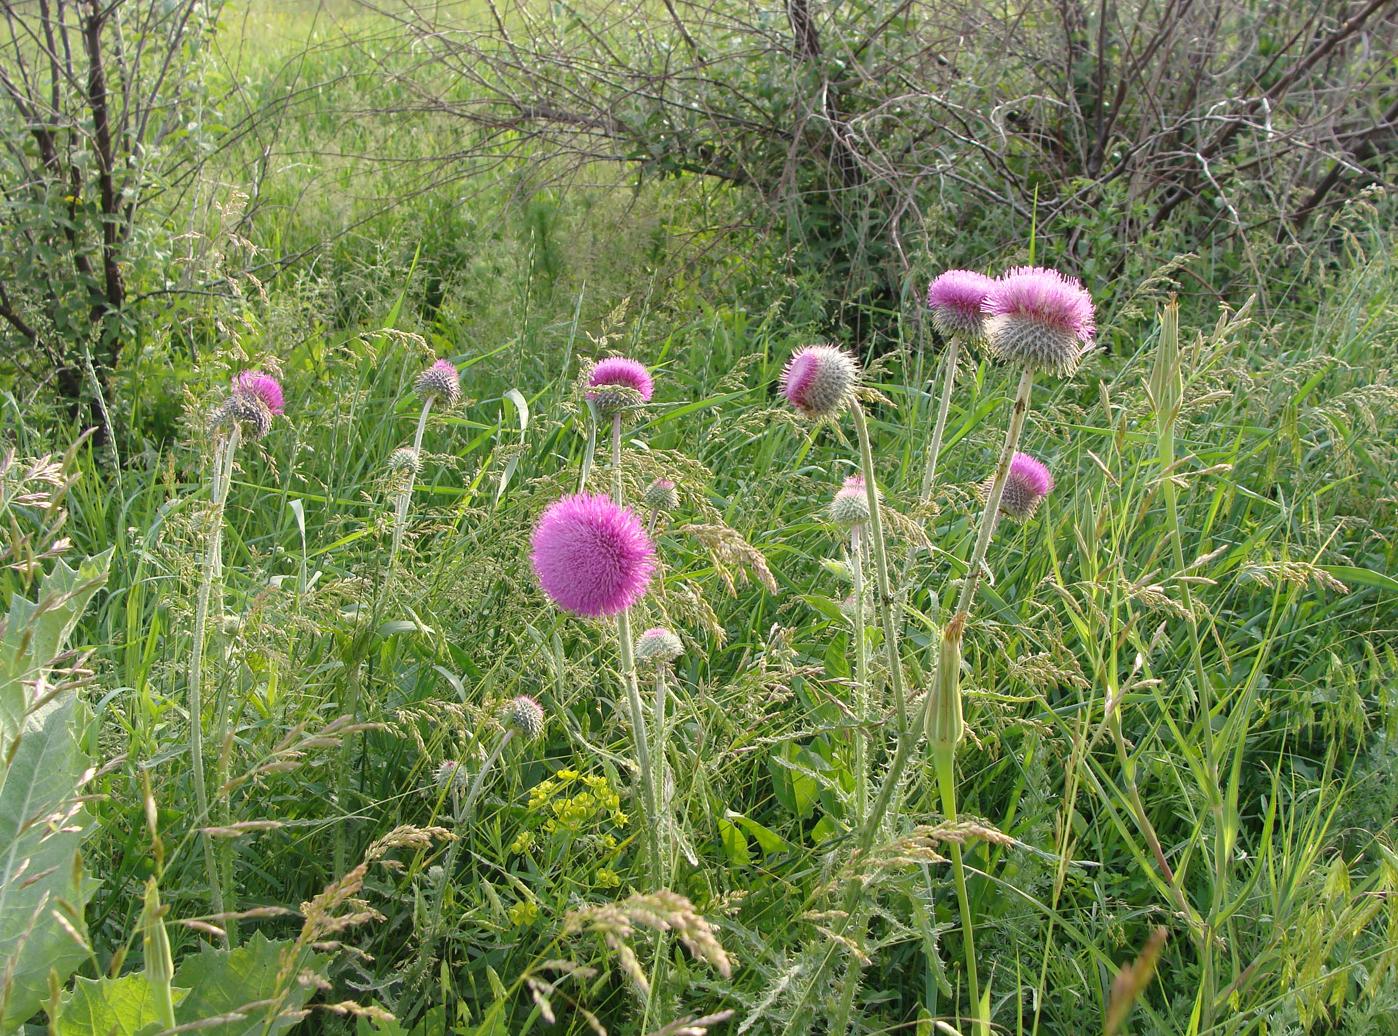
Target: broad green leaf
[735, 843]
[35, 632]
[110, 1007]
[42, 891]
[767, 839]
[225, 983]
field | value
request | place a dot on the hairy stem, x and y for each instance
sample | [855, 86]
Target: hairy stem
[943, 757]
[405, 494]
[211, 574]
[861, 678]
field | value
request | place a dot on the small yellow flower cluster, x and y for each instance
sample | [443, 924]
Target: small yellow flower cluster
[575, 802]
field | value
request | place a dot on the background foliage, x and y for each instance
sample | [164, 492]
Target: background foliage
[341, 192]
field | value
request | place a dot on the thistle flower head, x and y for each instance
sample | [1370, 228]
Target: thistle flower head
[245, 410]
[592, 556]
[820, 380]
[404, 459]
[618, 383]
[850, 506]
[658, 646]
[1040, 319]
[439, 383]
[661, 495]
[451, 776]
[955, 299]
[1028, 483]
[263, 387]
[525, 715]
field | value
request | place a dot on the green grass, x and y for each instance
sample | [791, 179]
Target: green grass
[1083, 660]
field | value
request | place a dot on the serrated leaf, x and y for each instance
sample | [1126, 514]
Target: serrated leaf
[233, 982]
[124, 1006]
[42, 891]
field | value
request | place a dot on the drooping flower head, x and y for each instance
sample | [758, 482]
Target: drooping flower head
[525, 715]
[592, 556]
[439, 383]
[1028, 483]
[262, 387]
[820, 380]
[658, 645]
[1039, 319]
[850, 506]
[956, 298]
[661, 495]
[618, 383]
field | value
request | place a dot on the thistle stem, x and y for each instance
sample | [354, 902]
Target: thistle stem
[991, 515]
[659, 768]
[212, 570]
[649, 800]
[934, 447]
[943, 757]
[861, 678]
[405, 494]
[590, 450]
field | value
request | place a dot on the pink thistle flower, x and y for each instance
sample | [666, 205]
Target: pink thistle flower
[439, 381]
[1040, 319]
[592, 556]
[623, 372]
[819, 381]
[658, 645]
[1028, 483]
[262, 387]
[956, 298]
[850, 506]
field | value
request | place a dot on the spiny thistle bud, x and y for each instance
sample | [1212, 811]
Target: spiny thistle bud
[658, 645]
[618, 384]
[944, 723]
[1039, 319]
[439, 383]
[450, 776]
[661, 495]
[525, 715]
[1028, 482]
[404, 460]
[850, 506]
[819, 381]
[955, 299]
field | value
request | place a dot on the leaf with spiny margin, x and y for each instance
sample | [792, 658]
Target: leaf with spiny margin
[42, 891]
[123, 1006]
[36, 632]
[257, 981]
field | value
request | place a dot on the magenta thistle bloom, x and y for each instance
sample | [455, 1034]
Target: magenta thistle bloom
[620, 371]
[439, 381]
[1028, 483]
[820, 380]
[1040, 319]
[956, 298]
[592, 556]
[262, 387]
[851, 503]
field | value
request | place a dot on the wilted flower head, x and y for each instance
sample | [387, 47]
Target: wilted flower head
[1029, 482]
[245, 410]
[1039, 319]
[820, 380]
[851, 503]
[617, 383]
[661, 495]
[525, 715]
[591, 555]
[439, 383]
[658, 645]
[262, 387]
[955, 299]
